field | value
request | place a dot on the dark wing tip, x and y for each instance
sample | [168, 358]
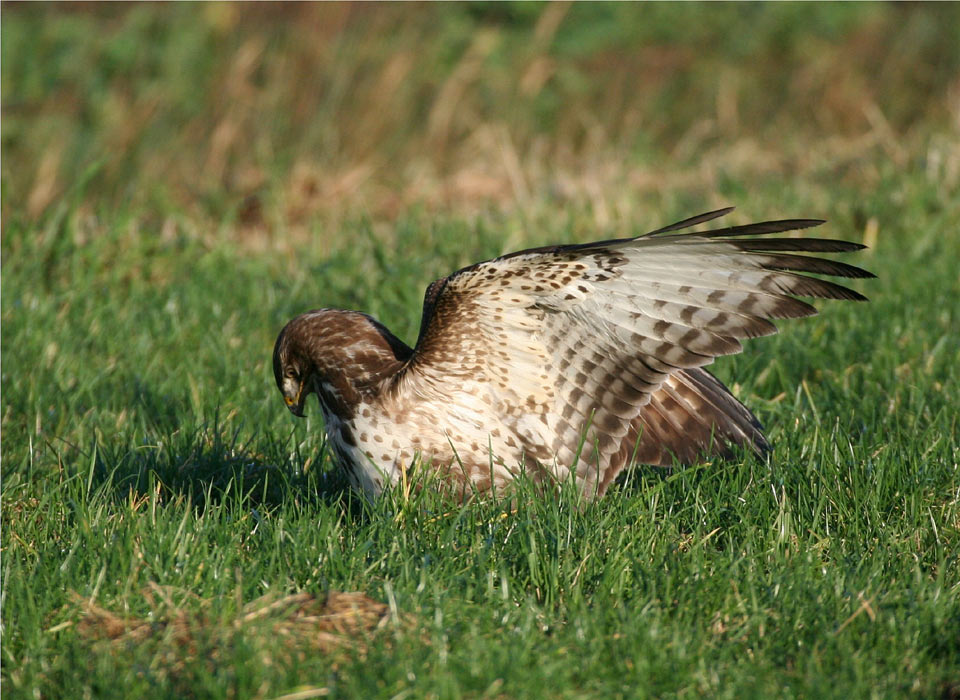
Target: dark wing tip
[802, 245]
[804, 263]
[856, 296]
[762, 228]
[692, 221]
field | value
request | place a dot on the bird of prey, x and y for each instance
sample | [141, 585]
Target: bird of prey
[570, 361]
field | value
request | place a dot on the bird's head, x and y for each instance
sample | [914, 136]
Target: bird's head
[339, 355]
[292, 367]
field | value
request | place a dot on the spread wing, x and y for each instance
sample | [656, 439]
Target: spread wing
[572, 342]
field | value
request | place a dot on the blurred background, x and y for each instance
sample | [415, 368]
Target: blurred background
[181, 179]
[269, 123]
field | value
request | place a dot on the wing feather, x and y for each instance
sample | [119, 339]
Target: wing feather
[692, 221]
[601, 341]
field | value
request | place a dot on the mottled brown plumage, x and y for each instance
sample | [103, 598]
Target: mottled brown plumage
[574, 359]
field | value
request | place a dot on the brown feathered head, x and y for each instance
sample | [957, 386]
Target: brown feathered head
[290, 366]
[339, 355]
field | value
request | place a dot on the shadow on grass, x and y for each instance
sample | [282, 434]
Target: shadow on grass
[208, 465]
[212, 464]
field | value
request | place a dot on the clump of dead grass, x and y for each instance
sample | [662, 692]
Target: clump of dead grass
[182, 632]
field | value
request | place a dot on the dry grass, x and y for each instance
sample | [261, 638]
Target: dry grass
[286, 117]
[179, 633]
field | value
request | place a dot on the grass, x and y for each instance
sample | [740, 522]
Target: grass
[168, 529]
[144, 444]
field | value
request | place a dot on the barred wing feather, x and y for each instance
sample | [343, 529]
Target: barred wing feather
[591, 352]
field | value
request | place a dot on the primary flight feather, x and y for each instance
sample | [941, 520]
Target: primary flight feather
[575, 358]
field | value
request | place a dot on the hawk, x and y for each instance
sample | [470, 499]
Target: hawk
[569, 361]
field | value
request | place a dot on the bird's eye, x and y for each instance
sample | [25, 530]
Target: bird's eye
[290, 373]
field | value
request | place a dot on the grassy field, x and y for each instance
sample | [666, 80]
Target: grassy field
[178, 181]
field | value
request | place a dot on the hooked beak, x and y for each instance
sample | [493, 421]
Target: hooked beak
[295, 403]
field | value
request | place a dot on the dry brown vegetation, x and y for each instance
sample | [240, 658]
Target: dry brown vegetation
[271, 118]
[178, 635]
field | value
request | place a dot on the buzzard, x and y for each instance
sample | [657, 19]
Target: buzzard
[563, 361]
